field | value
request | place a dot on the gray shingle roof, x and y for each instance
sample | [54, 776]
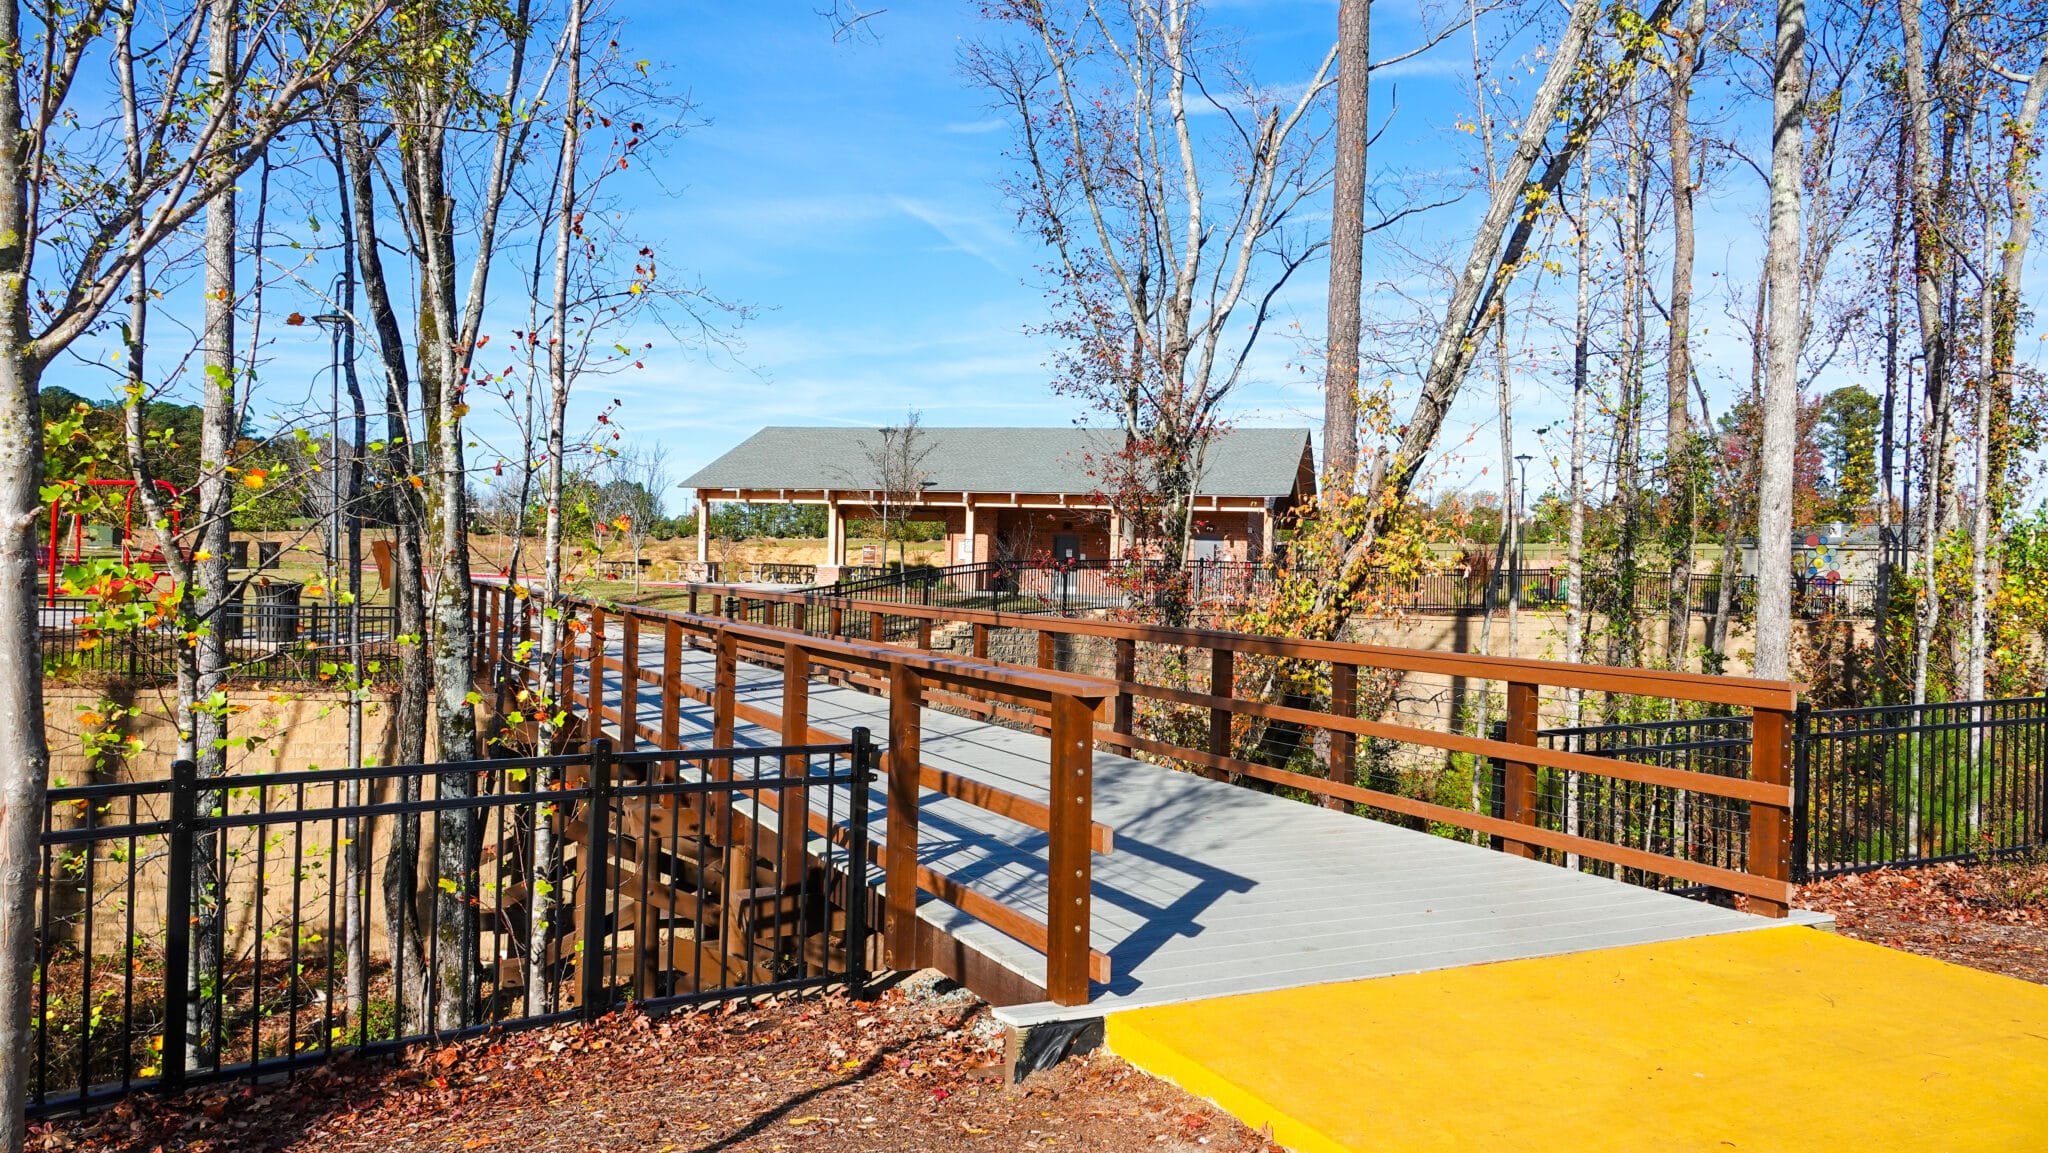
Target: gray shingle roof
[1254, 462]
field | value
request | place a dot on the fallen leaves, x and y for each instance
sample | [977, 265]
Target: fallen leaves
[1991, 916]
[908, 1071]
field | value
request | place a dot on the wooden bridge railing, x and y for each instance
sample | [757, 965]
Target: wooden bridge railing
[1064, 706]
[1761, 795]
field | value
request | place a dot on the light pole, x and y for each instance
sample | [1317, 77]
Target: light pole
[1521, 513]
[336, 324]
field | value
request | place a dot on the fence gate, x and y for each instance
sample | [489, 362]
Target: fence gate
[247, 925]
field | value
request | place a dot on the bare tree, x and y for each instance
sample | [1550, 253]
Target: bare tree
[1117, 180]
[896, 474]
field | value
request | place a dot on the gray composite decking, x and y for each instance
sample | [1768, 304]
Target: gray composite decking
[1214, 889]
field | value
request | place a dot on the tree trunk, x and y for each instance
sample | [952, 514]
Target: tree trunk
[217, 431]
[1680, 461]
[557, 438]
[402, 913]
[24, 754]
[1781, 378]
[1347, 250]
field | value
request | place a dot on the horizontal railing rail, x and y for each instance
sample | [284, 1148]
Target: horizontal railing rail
[200, 929]
[651, 645]
[1309, 741]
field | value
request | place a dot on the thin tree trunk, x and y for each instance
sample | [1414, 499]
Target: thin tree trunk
[1347, 250]
[402, 913]
[1575, 543]
[1680, 461]
[24, 753]
[216, 508]
[558, 415]
[1781, 378]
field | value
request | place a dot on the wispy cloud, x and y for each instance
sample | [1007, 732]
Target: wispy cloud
[969, 232]
[976, 127]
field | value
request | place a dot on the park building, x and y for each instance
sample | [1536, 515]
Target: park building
[1004, 493]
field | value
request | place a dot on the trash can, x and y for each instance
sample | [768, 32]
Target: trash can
[238, 554]
[276, 611]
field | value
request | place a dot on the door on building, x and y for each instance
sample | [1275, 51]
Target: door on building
[1066, 549]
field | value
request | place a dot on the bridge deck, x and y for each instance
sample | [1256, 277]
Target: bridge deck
[1216, 890]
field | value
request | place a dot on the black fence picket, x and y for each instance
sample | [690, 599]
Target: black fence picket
[195, 929]
[1884, 785]
[264, 642]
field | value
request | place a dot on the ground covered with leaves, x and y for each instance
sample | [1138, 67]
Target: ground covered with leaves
[917, 1068]
[1990, 916]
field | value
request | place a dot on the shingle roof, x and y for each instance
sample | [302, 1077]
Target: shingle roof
[1243, 462]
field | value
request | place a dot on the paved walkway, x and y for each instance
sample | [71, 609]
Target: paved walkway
[1781, 1041]
[1215, 890]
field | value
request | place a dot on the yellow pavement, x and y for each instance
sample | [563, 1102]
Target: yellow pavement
[1775, 1040]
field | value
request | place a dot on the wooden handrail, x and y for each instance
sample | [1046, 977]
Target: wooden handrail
[1766, 875]
[1743, 692]
[1069, 704]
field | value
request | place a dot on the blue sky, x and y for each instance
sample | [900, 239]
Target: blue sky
[848, 192]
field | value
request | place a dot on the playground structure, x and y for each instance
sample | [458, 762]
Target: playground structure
[53, 558]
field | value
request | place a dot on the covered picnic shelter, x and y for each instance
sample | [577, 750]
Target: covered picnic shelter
[1008, 493]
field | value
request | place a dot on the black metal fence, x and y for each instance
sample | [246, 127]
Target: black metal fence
[264, 641]
[1873, 787]
[246, 926]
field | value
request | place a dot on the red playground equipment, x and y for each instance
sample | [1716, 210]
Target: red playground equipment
[128, 554]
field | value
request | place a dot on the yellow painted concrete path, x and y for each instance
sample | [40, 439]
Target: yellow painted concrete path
[1776, 1040]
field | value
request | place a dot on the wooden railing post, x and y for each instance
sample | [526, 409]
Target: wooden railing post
[899, 852]
[1048, 650]
[924, 634]
[693, 600]
[1343, 745]
[835, 620]
[1770, 826]
[594, 703]
[1518, 787]
[1222, 683]
[671, 678]
[1068, 863]
[565, 665]
[792, 819]
[1124, 718]
[876, 626]
[981, 635]
[724, 689]
[629, 681]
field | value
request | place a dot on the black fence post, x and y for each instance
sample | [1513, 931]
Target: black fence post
[1498, 731]
[596, 877]
[1802, 791]
[865, 760]
[178, 924]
